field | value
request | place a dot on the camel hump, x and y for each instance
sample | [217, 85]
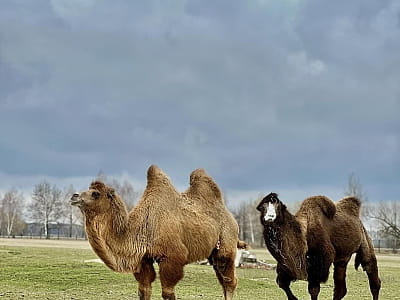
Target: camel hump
[203, 185]
[154, 171]
[155, 174]
[158, 180]
[323, 203]
[350, 204]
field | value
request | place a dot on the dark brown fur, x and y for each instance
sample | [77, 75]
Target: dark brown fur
[319, 234]
[167, 227]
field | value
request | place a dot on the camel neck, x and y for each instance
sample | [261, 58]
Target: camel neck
[287, 244]
[112, 242]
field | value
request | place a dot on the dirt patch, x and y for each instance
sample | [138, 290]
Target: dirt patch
[17, 242]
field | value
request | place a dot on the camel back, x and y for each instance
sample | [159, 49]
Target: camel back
[317, 203]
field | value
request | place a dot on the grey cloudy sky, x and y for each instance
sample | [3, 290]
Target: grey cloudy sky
[290, 96]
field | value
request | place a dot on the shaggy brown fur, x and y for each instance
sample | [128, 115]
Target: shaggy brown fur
[167, 227]
[319, 234]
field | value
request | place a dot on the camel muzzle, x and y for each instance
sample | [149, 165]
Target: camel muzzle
[75, 201]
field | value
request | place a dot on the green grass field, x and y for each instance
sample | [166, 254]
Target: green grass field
[28, 272]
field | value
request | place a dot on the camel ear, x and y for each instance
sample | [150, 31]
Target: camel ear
[110, 193]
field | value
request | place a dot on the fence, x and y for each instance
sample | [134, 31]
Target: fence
[391, 245]
[55, 231]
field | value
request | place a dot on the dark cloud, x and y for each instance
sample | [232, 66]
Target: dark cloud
[290, 94]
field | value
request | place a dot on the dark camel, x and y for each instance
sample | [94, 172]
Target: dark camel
[319, 234]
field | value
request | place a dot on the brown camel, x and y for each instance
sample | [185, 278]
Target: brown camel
[319, 234]
[167, 227]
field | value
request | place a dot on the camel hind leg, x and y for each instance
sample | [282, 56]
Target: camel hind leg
[366, 257]
[171, 271]
[224, 267]
[370, 266]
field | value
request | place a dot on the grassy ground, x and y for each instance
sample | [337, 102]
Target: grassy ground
[37, 272]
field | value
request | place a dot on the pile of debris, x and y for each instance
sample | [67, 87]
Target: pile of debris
[246, 260]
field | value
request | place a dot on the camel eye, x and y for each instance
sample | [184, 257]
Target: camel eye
[262, 206]
[265, 206]
[95, 195]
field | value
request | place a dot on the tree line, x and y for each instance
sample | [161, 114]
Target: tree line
[49, 204]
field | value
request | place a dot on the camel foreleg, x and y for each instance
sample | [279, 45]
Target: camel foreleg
[283, 280]
[145, 276]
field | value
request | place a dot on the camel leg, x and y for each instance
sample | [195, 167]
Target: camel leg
[367, 258]
[171, 271]
[319, 259]
[225, 270]
[371, 269]
[145, 277]
[374, 284]
[283, 280]
[339, 278]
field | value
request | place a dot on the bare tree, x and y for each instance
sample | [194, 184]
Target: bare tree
[354, 188]
[72, 214]
[249, 226]
[11, 210]
[387, 214]
[46, 205]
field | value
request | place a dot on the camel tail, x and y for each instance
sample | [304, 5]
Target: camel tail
[365, 255]
[241, 245]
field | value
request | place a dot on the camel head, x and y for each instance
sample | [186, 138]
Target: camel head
[97, 199]
[270, 208]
